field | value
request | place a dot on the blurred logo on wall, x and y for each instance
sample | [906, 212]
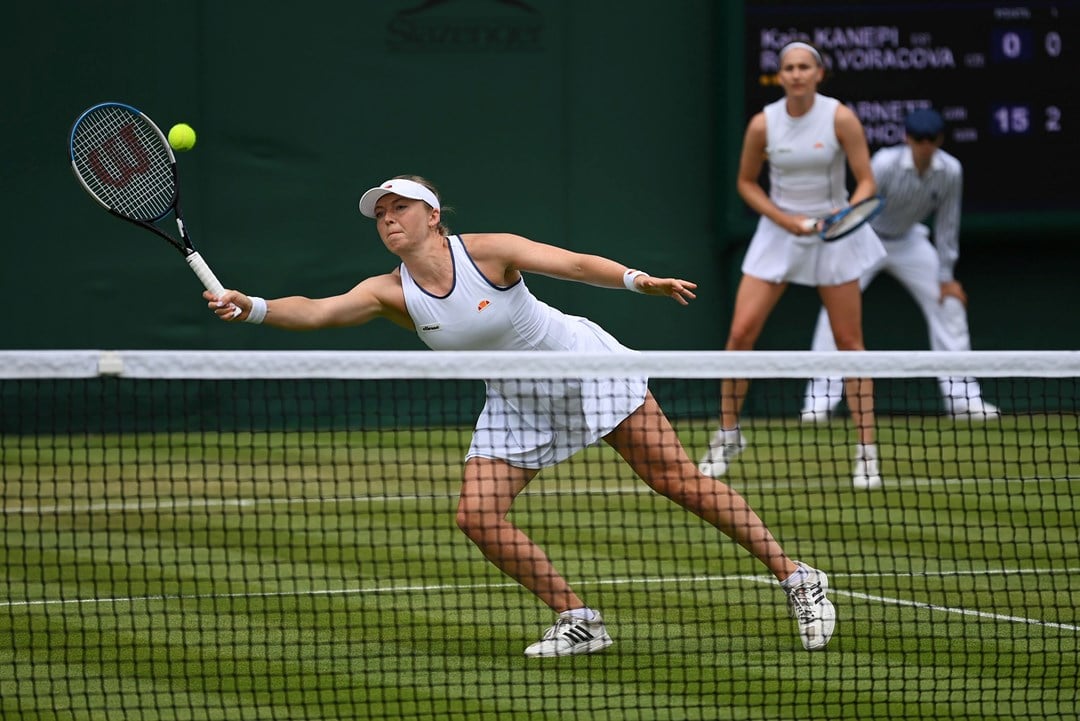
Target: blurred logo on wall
[466, 26]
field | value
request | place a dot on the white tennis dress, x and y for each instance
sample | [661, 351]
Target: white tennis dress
[528, 423]
[807, 175]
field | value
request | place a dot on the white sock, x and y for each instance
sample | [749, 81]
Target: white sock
[866, 451]
[731, 436]
[584, 613]
[794, 579]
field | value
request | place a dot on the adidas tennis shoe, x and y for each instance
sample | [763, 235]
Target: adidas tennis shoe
[723, 448]
[810, 607]
[571, 636]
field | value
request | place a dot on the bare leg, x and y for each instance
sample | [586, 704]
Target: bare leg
[754, 301]
[489, 489]
[844, 305]
[860, 400]
[649, 444]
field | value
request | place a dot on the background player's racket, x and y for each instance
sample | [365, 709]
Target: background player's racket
[846, 221]
[125, 163]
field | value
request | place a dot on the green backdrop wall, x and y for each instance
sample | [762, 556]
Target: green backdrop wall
[604, 127]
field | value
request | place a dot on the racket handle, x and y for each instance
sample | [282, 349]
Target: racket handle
[810, 223]
[209, 280]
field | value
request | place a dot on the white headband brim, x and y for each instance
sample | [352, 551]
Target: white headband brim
[801, 46]
[399, 186]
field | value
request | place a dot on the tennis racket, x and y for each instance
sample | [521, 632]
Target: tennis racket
[846, 221]
[125, 163]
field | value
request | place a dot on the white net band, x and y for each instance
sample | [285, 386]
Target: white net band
[238, 365]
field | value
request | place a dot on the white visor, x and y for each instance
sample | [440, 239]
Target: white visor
[399, 186]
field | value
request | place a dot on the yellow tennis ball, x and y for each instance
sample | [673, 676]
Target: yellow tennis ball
[182, 137]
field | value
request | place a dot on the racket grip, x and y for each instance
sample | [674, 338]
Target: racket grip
[209, 280]
[810, 223]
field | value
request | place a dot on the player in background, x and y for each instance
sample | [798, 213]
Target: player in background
[918, 180]
[806, 138]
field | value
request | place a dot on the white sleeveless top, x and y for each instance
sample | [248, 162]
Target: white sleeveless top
[807, 175]
[478, 315]
[528, 423]
[807, 166]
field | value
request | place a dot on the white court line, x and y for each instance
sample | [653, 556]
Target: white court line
[173, 504]
[655, 580]
[152, 504]
[943, 609]
[961, 611]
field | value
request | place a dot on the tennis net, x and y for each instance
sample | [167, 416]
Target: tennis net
[271, 535]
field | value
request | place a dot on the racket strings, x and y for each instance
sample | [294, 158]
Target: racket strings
[855, 216]
[123, 161]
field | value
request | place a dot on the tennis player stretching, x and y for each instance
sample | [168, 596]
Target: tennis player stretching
[466, 292]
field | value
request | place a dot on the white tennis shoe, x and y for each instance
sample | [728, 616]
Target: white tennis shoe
[812, 609]
[723, 448]
[571, 636]
[815, 415]
[867, 474]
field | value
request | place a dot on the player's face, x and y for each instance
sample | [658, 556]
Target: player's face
[800, 73]
[401, 220]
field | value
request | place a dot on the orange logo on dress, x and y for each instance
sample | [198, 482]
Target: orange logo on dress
[483, 304]
[819, 145]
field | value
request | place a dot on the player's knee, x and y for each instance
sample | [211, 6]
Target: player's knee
[474, 523]
[849, 340]
[466, 520]
[741, 337]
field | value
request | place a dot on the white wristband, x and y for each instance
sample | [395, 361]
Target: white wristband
[258, 310]
[628, 279]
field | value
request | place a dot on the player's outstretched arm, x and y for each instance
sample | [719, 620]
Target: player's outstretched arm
[515, 254]
[376, 297]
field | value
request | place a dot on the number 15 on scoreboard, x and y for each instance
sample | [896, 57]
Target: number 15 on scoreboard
[1018, 120]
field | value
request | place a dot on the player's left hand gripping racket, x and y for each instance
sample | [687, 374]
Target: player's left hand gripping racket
[125, 163]
[847, 220]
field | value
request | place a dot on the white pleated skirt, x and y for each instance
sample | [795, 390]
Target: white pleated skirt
[778, 256]
[533, 423]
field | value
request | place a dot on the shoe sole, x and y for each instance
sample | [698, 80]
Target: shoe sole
[812, 417]
[597, 644]
[976, 417]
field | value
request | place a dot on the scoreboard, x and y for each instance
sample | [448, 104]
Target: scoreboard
[1005, 76]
